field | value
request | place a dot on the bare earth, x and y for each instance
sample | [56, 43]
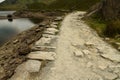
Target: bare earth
[81, 54]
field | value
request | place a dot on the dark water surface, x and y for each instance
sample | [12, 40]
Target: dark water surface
[9, 29]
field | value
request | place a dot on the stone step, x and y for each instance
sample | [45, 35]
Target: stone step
[42, 55]
[43, 41]
[48, 36]
[23, 71]
[52, 30]
[43, 48]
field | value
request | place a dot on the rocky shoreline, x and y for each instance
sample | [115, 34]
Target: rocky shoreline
[14, 52]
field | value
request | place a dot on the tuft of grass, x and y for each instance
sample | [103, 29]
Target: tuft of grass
[97, 24]
[113, 28]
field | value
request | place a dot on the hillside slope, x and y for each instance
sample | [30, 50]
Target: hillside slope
[49, 4]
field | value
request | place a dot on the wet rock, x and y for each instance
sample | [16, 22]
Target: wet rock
[41, 55]
[78, 53]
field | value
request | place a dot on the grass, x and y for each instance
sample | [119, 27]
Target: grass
[97, 24]
[106, 29]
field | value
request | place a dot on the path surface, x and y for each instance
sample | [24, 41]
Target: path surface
[81, 54]
[77, 53]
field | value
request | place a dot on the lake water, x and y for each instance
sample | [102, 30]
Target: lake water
[10, 28]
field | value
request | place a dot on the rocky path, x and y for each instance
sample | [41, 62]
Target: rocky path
[77, 53]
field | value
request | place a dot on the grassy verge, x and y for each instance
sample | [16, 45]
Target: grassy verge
[108, 30]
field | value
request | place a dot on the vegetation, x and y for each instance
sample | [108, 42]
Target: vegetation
[48, 4]
[72, 4]
[97, 23]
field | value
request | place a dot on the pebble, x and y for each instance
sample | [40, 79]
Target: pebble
[87, 52]
[78, 53]
[89, 64]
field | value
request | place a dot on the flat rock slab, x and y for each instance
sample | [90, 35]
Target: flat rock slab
[78, 53]
[112, 56]
[48, 36]
[52, 30]
[29, 66]
[41, 55]
[49, 32]
[43, 41]
[43, 48]
[23, 71]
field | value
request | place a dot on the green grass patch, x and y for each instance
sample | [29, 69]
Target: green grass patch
[97, 24]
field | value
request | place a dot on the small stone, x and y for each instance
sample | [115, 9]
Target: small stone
[87, 52]
[89, 64]
[41, 55]
[55, 23]
[53, 26]
[89, 44]
[15, 41]
[52, 30]
[102, 67]
[117, 43]
[78, 53]
[58, 19]
[43, 41]
[119, 48]
[107, 39]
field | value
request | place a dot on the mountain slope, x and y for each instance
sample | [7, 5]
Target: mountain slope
[50, 4]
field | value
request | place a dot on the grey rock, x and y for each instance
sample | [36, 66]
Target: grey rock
[78, 53]
[41, 55]
[43, 41]
[58, 19]
[112, 56]
[23, 71]
[29, 66]
[87, 52]
[52, 30]
[43, 48]
[105, 74]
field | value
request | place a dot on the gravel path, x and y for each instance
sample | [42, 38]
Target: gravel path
[81, 54]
